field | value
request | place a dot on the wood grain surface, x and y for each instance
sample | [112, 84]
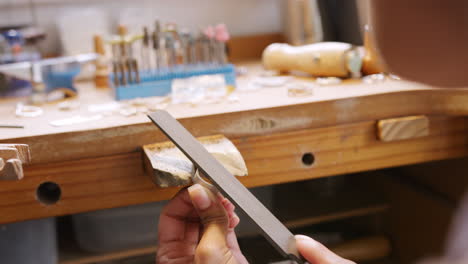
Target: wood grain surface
[169, 167]
[275, 112]
[113, 136]
[119, 180]
[99, 165]
[12, 158]
[403, 128]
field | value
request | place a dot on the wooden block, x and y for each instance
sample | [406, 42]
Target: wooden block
[169, 167]
[17, 151]
[7, 153]
[403, 128]
[12, 171]
[12, 158]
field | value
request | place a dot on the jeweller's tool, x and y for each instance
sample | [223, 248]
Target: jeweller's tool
[145, 50]
[170, 51]
[185, 42]
[149, 64]
[211, 44]
[156, 45]
[204, 46]
[11, 126]
[115, 65]
[221, 36]
[278, 235]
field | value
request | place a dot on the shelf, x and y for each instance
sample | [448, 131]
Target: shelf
[73, 255]
[300, 204]
[313, 220]
[296, 205]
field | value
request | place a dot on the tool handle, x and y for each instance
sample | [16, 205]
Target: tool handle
[319, 59]
[372, 62]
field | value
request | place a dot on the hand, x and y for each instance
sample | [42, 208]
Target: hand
[197, 226]
[316, 253]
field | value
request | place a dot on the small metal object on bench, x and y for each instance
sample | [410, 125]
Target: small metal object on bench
[169, 167]
[276, 233]
[12, 158]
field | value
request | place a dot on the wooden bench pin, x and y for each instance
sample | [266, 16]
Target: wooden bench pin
[168, 166]
[12, 158]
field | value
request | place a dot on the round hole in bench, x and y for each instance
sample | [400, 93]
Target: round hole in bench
[308, 159]
[48, 193]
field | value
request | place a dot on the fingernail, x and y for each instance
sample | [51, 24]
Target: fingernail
[199, 197]
[302, 238]
[234, 222]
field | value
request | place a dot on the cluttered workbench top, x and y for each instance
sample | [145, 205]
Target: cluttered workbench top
[261, 103]
[288, 128]
[93, 147]
[256, 89]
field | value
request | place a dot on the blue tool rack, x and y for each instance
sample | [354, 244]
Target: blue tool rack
[160, 83]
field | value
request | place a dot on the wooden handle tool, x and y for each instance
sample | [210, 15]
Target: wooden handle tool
[372, 62]
[327, 59]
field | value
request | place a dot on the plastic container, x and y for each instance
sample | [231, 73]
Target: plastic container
[30, 242]
[160, 84]
[136, 226]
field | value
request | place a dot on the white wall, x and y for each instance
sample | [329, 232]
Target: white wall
[243, 17]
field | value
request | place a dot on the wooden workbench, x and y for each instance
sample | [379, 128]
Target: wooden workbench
[99, 164]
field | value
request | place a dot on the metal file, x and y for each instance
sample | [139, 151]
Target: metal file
[273, 230]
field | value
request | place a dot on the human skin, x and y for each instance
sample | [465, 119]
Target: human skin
[423, 40]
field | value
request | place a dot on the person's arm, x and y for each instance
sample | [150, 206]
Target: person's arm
[423, 40]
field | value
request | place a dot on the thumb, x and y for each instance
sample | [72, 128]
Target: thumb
[208, 206]
[316, 253]
[213, 215]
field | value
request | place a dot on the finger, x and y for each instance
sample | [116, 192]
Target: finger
[234, 246]
[192, 232]
[234, 221]
[174, 218]
[315, 252]
[228, 205]
[213, 244]
[210, 210]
